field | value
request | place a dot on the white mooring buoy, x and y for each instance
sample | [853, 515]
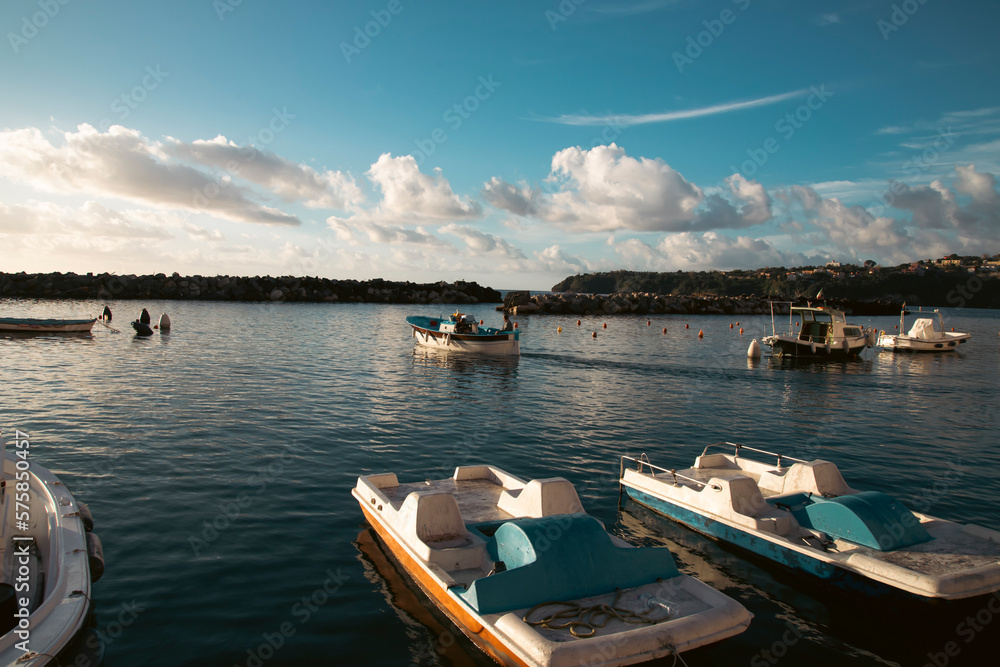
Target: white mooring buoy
[754, 350]
[164, 322]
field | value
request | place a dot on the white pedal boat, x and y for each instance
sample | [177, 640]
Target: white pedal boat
[49, 561]
[805, 516]
[491, 551]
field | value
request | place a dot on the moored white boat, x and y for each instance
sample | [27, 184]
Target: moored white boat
[49, 561]
[33, 325]
[825, 333]
[926, 335]
[805, 516]
[502, 558]
[461, 332]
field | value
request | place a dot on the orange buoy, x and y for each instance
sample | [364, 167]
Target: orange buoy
[701, 333]
[605, 325]
[737, 323]
[515, 325]
[953, 328]
[594, 335]
[664, 330]
[685, 326]
[741, 330]
[647, 323]
[730, 325]
[559, 329]
[480, 321]
[578, 323]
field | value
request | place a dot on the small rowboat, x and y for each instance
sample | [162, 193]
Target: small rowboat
[462, 333]
[31, 325]
[803, 515]
[533, 580]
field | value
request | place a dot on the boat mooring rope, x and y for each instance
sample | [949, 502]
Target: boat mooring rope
[109, 326]
[575, 616]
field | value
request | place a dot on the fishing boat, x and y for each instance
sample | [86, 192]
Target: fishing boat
[32, 325]
[803, 514]
[824, 332]
[50, 558]
[462, 333]
[926, 335]
[532, 579]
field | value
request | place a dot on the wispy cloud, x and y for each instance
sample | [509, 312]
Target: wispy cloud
[632, 8]
[668, 116]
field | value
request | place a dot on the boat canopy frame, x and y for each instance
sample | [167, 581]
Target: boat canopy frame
[737, 447]
[643, 460]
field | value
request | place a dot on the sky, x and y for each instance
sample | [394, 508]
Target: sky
[508, 143]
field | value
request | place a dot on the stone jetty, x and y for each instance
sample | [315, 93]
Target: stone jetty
[109, 286]
[645, 303]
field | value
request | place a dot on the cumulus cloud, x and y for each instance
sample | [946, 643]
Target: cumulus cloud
[482, 243]
[692, 251]
[90, 219]
[410, 195]
[290, 181]
[122, 163]
[604, 189]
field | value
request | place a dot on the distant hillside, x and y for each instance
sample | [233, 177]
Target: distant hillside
[945, 288]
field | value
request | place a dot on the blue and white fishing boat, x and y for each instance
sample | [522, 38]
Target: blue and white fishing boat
[825, 333]
[804, 515]
[33, 325]
[533, 580]
[461, 332]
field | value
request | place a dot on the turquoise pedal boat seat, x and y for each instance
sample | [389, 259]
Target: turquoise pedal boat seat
[562, 557]
[869, 518]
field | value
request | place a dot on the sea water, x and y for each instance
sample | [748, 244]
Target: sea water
[218, 460]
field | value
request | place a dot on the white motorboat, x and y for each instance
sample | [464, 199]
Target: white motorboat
[50, 558]
[803, 514]
[34, 325]
[926, 335]
[533, 580]
[824, 333]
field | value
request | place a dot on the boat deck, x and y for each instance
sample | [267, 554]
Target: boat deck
[477, 498]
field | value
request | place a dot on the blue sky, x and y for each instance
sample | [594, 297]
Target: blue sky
[510, 143]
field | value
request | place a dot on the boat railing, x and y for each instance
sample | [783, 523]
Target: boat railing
[737, 447]
[643, 461]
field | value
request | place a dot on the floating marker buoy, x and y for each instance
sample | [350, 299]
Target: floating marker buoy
[754, 350]
[796, 324]
[953, 328]
[730, 325]
[896, 327]
[593, 335]
[480, 321]
[515, 325]
[106, 315]
[741, 331]
[701, 333]
[578, 323]
[605, 325]
[664, 330]
[144, 316]
[559, 329]
[164, 322]
[647, 323]
[737, 324]
[685, 326]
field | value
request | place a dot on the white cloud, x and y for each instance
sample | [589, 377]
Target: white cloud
[122, 163]
[409, 195]
[481, 243]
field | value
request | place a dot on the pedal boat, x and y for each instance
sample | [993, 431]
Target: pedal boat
[806, 517]
[498, 555]
[825, 333]
[926, 335]
[462, 333]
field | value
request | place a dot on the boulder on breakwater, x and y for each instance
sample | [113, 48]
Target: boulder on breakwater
[646, 303]
[109, 286]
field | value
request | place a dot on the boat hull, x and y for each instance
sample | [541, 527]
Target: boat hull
[28, 325]
[900, 343]
[787, 346]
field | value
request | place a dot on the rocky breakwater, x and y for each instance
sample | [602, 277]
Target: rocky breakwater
[645, 303]
[107, 286]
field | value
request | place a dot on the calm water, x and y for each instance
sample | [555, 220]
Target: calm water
[218, 461]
